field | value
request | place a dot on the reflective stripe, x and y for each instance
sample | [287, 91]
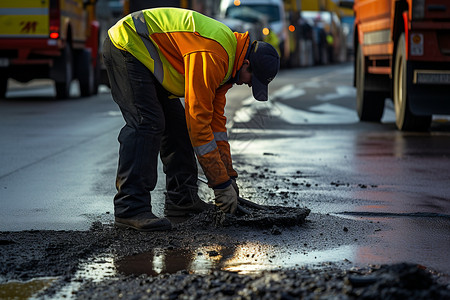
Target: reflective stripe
[221, 136]
[142, 30]
[24, 11]
[204, 149]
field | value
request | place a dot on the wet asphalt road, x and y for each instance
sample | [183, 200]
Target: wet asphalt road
[305, 147]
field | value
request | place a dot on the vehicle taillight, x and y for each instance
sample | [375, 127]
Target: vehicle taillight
[54, 21]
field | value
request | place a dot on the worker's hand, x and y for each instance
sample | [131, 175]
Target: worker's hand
[235, 187]
[226, 199]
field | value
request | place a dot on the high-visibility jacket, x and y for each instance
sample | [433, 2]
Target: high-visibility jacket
[193, 56]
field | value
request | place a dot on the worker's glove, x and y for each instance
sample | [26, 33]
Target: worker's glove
[235, 187]
[226, 199]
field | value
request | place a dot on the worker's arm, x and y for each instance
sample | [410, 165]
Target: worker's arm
[218, 126]
[204, 72]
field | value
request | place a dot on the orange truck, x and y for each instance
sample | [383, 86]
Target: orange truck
[56, 39]
[402, 52]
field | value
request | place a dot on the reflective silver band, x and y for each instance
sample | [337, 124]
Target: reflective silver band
[204, 149]
[142, 30]
[221, 136]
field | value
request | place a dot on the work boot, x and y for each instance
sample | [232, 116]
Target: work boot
[145, 221]
[183, 204]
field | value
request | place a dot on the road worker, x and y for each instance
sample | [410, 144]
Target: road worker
[154, 57]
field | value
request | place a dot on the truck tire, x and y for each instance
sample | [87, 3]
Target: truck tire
[404, 118]
[64, 67]
[369, 104]
[84, 72]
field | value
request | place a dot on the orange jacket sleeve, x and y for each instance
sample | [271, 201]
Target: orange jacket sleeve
[204, 72]
[218, 126]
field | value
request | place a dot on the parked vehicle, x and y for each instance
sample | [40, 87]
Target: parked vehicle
[53, 39]
[403, 52]
[255, 30]
[328, 25]
[253, 11]
[321, 47]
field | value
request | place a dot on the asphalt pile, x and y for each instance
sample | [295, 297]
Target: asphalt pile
[249, 214]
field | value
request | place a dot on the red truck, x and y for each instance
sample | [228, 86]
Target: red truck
[56, 39]
[402, 52]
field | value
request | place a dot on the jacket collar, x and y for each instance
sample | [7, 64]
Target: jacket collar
[243, 41]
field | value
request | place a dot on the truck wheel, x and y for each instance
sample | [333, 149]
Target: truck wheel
[404, 118]
[84, 72]
[64, 67]
[369, 104]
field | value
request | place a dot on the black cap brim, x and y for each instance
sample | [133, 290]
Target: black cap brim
[260, 90]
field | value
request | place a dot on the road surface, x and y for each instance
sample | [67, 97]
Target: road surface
[376, 195]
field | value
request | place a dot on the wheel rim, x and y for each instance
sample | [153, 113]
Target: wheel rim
[399, 87]
[401, 80]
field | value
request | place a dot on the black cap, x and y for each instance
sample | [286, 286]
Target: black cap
[264, 63]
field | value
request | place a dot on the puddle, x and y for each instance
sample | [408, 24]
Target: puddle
[256, 258]
[24, 289]
[249, 258]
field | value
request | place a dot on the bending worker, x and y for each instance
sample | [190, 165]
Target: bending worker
[153, 57]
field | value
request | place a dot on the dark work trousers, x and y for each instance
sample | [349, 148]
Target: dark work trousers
[154, 123]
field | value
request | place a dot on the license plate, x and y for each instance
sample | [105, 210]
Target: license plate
[431, 77]
[4, 62]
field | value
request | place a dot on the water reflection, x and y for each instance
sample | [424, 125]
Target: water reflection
[249, 258]
[242, 259]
